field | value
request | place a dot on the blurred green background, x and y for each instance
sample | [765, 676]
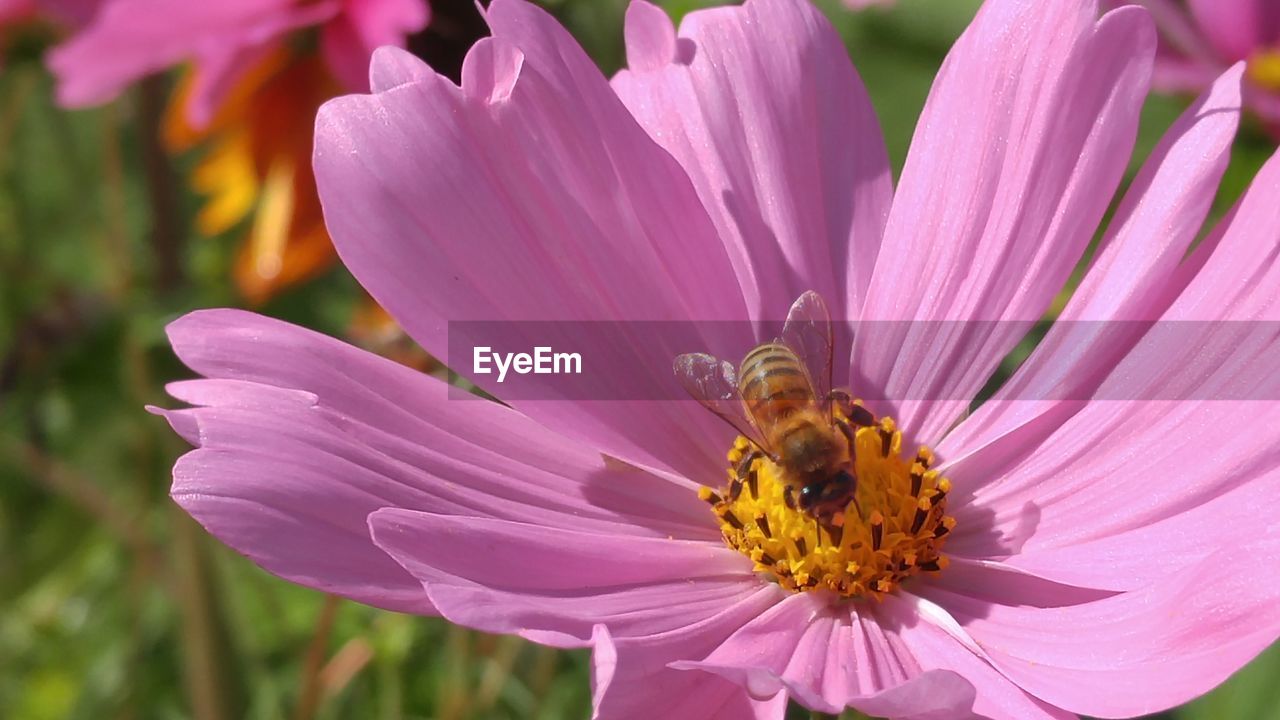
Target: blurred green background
[112, 603]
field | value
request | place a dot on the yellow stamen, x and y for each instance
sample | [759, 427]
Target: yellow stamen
[894, 527]
[1264, 69]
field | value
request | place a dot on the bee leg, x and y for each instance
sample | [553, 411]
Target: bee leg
[842, 490]
[746, 475]
[788, 497]
[851, 408]
[848, 432]
[744, 465]
[735, 489]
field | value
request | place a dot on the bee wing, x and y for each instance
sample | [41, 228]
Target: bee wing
[714, 383]
[808, 333]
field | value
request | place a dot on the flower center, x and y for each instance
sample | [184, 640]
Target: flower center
[1264, 69]
[892, 528]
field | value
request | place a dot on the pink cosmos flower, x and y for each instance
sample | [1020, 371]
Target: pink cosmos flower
[128, 39]
[1200, 39]
[1107, 555]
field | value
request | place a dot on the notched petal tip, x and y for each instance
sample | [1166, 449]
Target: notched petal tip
[182, 423]
[491, 70]
[391, 66]
[604, 661]
[650, 37]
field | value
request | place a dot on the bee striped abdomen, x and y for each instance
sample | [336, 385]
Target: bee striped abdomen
[773, 383]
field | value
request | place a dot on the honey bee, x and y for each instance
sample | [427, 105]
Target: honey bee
[780, 399]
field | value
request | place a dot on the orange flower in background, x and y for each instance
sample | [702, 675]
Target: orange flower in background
[257, 169]
[258, 72]
[373, 329]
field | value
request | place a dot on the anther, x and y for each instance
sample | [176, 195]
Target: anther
[735, 489]
[918, 521]
[732, 519]
[710, 496]
[836, 533]
[762, 522]
[860, 415]
[887, 534]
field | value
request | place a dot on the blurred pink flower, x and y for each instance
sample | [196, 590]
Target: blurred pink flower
[1200, 39]
[11, 10]
[1110, 557]
[69, 13]
[129, 39]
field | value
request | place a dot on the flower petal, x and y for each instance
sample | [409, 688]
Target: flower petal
[1000, 195]
[830, 656]
[1138, 652]
[530, 194]
[554, 584]
[301, 437]
[128, 39]
[352, 37]
[753, 122]
[997, 697]
[634, 680]
[392, 67]
[1238, 28]
[1129, 282]
[1188, 414]
[1133, 558]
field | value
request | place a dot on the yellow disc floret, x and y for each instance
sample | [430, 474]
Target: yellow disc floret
[1264, 69]
[892, 529]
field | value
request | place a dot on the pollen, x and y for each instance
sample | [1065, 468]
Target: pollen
[892, 529]
[1264, 69]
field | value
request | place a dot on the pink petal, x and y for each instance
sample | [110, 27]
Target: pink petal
[830, 656]
[1179, 33]
[754, 122]
[633, 678]
[531, 194]
[1128, 282]
[1000, 195]
[73, 14]
[997, 697]
[1138, 652]
[554, 584]
[1186, 406]
[11, 10]
[1182, 76]
[392, 67]
[129, 39]
[302, 437]
[364, 25]
[216, 76]
[1131, 559]
[1237, 28]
